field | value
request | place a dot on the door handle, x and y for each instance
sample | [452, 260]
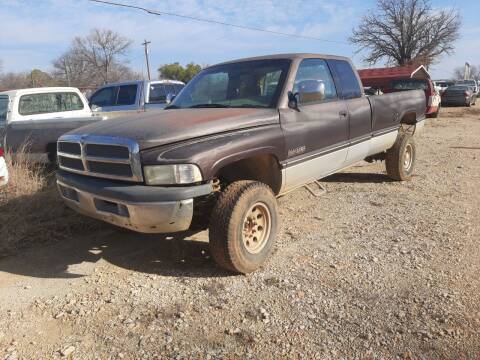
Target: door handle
[343, 113]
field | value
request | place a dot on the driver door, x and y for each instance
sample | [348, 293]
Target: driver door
[316, 134]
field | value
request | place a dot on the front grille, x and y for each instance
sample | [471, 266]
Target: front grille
[70, 163]
[123, 170]
[100, 156]
[111, 151]
[71, 148]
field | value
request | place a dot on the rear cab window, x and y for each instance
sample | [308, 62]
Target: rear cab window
[158, 92]
[409, 84]
[33, 104]
[346, 79]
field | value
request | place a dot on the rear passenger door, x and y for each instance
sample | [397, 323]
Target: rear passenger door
[358, 108]
[317, 134]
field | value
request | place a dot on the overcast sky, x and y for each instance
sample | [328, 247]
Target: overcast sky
[33, 33]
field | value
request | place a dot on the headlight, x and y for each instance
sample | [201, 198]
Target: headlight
[172, 174]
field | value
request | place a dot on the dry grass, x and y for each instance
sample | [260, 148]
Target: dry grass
[31, 211]
[26, 178]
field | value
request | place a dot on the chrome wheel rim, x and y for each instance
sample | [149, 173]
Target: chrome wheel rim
[257, 225]
[408, 157]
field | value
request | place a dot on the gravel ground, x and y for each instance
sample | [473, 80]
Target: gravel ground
[373, 269]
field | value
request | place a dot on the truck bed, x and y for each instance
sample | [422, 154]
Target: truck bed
[388, 110]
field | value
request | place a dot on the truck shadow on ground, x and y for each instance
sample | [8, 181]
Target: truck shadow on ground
[177, 255]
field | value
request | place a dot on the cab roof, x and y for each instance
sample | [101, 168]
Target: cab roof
[47, 89]
[289, 56]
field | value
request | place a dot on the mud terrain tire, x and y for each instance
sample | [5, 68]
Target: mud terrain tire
[243, 226]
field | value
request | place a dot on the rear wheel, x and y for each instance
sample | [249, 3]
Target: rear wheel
[243, 226]
[400, 158]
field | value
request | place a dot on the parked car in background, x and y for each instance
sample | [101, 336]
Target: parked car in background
[238, 135]
[472, 83]
[463, 95]
[38, 116]
[442, 85]
[3, 168]
[134, 95]
[403, 78]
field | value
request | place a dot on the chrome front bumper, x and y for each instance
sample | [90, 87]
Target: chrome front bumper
[146, 215]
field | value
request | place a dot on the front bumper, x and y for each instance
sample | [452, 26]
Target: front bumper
[146, 209]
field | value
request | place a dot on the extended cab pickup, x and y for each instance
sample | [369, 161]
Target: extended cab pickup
[239, 135]
[136, 95]
[33, 119]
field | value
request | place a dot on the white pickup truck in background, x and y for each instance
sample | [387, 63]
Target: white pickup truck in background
[134, 95]
[3, 169]
[37, 117]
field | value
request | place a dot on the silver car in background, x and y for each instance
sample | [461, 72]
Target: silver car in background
[462, 95]
[472, 83]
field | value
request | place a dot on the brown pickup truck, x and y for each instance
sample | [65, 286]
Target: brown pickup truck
[239, 135]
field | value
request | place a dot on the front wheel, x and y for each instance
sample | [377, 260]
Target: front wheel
[400, 158]
[243, 226]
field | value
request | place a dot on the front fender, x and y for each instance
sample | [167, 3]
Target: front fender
[212, 153]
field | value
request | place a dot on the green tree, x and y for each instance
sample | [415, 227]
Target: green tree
[176, 71]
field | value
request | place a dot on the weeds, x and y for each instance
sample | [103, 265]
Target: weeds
[31, 211]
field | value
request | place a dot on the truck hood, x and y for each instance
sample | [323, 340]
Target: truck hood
[160, 127]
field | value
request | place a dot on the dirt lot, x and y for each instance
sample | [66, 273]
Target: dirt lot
[374, 269]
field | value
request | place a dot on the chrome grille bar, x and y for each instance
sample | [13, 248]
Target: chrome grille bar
[116, 143]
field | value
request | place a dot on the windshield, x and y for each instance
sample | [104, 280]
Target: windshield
[3, 108]
[444, 83]
[256, 83]
[459, 87]
[467, 82]
[409, 84]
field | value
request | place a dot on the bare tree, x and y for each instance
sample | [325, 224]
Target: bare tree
[72, 69]
[100, 50]
[11, 81]
[94, 60]
[406, 31]
[459, 72]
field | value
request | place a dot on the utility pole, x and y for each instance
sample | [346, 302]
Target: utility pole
[145, 44]
[466, 72]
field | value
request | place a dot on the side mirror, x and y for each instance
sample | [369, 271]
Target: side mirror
[170, 97]
[311, 91]
[95, 108]
[293, 101]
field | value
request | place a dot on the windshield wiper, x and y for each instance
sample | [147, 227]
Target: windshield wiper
[208, 106]
[171, 107]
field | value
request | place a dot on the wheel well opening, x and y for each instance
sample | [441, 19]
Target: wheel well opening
[263, 168]
[409, 118]
[52, 151]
